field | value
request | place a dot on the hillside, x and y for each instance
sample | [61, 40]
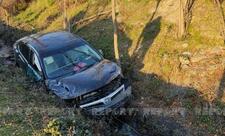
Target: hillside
[166, 72]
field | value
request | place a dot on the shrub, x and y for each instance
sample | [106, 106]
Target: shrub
[68, 126]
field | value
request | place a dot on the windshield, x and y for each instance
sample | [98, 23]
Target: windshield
[70, 61]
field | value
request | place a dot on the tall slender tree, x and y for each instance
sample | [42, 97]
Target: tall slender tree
[185, 16]
[115, 35]
[221, 12]
[65, 21]
[181, 20]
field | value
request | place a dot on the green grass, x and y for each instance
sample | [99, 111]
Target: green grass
[210, 123]
[26, 109]
[100, 36]
[159, 57]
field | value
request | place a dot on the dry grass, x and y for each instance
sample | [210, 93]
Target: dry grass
[150, 51]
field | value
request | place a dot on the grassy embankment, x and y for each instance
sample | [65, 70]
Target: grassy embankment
[151, 54]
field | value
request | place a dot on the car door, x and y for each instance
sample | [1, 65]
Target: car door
[22, 54]
[34, 70]
[26, 63]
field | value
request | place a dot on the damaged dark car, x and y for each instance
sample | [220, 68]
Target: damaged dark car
[73, 70]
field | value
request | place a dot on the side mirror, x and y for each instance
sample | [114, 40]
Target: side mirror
[101, 52]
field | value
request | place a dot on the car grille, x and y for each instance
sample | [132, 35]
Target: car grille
[101, 92]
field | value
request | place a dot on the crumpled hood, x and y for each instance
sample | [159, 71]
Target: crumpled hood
[85, 81]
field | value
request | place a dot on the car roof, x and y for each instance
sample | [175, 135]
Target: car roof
[47, 43]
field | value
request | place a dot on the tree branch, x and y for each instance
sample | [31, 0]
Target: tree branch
[91, 17]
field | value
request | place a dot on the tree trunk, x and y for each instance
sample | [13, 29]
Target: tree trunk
[181, 26]
[185, 16]
[116, 48]
[220, 9]
[188, 13]
[65, 22]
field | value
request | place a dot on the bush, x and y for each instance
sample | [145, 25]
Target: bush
[68, 126]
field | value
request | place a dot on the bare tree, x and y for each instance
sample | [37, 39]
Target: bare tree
[181, 20]
[188, 13]
[221, 12]
[116, 48]
[185, 16]
[65, 21]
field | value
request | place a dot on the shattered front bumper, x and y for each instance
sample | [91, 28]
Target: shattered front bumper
[115, 100]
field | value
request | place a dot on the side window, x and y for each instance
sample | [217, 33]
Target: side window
[30, 56]
[34, 62]
[25, 50]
